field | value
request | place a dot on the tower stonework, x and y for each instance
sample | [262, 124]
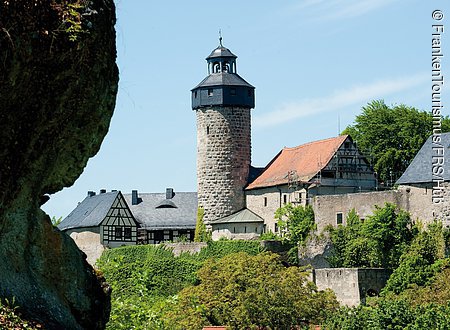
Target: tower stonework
[222, 102]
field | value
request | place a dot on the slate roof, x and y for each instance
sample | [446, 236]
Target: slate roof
[242, 216]
[152, 217]
[223, 79]
[307, 160]
[221, 52]
[420, 169]
[90, 212]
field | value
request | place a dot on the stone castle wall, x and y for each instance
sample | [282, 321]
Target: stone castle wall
[223, 159]
[351, 285]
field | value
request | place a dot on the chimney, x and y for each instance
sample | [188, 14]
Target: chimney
[91, 193]
[169, 193]
[134, 197]
[102, 191]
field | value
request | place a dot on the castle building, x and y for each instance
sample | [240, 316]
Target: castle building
[222, 102]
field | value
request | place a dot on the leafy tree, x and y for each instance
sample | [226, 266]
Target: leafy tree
[378, 242]
[295, 222]
[201, 234]
[392, 136]
[420, 263]
[250, 292]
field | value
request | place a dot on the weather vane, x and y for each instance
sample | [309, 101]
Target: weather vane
[220, 37]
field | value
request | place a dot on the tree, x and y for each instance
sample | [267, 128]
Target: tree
[378, 242]
[250, 292]
[392, 136]
[201, 234]
[295, 222]
[420, 263]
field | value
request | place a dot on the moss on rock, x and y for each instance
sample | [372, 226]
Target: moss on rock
[57, 96]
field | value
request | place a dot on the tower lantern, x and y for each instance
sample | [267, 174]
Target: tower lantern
[222, 102]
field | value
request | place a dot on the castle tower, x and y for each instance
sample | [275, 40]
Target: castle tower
[222, 102]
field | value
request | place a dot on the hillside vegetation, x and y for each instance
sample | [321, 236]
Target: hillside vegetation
[229, 282]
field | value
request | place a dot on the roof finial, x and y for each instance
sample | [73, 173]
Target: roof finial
[220, 37]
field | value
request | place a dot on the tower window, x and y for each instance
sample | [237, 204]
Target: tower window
[210, 92]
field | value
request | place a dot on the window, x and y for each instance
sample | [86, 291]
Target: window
[285, 199]
[233, 91]
[195, 94]
[127, 233]
[245, 229]
[339, 218]
[276, 228]
[249, 92]
[265, 201]
[210, 92]
[207, 129]
[118, 233]
[347, 145]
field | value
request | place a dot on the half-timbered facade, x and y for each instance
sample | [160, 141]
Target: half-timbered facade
[119, 226]
[296, 175]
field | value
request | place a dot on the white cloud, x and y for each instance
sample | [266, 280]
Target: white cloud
[339, 99]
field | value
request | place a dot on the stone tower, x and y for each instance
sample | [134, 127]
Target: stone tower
[222, 102]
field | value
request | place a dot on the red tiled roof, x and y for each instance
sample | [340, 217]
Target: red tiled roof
[306, 160]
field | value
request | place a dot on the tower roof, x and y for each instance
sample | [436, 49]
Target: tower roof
[223, 79]
[221, 52]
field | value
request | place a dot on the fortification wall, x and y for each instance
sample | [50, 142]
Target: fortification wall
[223, 159]
[351, 285]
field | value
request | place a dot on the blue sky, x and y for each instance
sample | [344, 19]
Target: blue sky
[314, 64]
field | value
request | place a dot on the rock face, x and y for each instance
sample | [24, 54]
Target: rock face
[58, 83]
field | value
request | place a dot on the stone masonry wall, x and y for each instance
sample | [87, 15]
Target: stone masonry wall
[223, 159]
[351, 285]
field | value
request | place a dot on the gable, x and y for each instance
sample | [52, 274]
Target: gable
[119, 214]
[302, 162]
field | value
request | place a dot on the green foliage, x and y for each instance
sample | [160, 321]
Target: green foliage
[11, 318]
[378, 242]
[295, 222]
[247, 292]
[417, 295]
[269, 236]
[145, 279]
[420, 263]
[71, 15]
[201, 234]
[390, 314]
[56, 221]
[219, 249]
[392, 136]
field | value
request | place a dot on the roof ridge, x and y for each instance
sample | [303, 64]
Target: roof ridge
[317, 141]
